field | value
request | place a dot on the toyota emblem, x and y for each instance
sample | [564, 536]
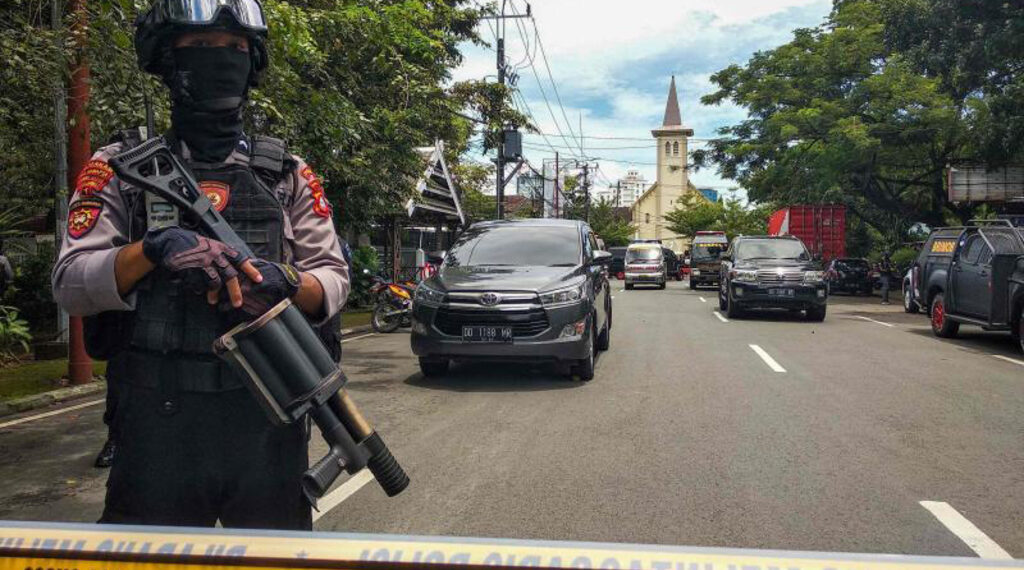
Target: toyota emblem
[490, 299]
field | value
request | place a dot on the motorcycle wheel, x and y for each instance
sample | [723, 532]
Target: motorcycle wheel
[382, 322]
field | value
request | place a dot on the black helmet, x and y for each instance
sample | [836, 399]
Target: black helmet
[168, 18]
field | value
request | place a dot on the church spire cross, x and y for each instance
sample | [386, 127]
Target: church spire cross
[673, 118]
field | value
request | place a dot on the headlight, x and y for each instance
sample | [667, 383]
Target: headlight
[427, 296]
[744, 275]
[695, 272]
[565, 296]
[813, 276]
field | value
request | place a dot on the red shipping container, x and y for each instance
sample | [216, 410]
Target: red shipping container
[821, 228]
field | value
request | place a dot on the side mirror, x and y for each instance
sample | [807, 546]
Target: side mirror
[435, 257]
[601, 258]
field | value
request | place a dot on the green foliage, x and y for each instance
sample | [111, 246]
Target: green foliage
[902, 258]
[614, 230]
[364, 258]
[354, 86]
[728, 215]
[14, 334]
[31, 292]
[869, 108]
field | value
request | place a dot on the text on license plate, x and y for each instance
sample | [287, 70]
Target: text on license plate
[486, 334]
[781, 292]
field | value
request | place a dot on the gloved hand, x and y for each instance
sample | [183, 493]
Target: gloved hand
[206, 264]
[280, 282]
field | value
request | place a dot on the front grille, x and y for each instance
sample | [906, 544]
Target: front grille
[524, 323]
[519, 310]
[772, 277]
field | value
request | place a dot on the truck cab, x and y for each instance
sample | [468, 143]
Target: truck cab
[985, 281]
[927, 275]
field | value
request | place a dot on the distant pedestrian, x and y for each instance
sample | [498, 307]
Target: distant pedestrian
[6, 272]
[885, 271]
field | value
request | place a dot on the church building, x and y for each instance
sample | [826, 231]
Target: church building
[672, 187]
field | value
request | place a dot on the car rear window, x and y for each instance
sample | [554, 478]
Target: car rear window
[652, 253]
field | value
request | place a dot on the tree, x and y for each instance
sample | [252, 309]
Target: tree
[613, 229]
[728, 215]
[841, 115]
[354, 86]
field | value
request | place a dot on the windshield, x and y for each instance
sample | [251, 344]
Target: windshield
[707, 251]
[771, 249]
[643, 254]
[516, 245]
[852, 264]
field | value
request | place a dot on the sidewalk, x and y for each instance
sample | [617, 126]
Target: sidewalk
[61, 395]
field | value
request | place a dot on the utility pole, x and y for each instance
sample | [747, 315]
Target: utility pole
[618, 193]
[79, 364]
[557, 189]
[499, 161]
[586, 191]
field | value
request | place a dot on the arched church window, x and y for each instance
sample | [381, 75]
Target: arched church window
[668, 148]
[675, 148]
[647, 218]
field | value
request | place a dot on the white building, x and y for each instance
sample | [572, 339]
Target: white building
[631, 187]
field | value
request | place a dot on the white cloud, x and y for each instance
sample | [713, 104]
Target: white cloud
[612, 60]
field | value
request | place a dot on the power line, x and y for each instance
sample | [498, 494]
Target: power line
[544, 58]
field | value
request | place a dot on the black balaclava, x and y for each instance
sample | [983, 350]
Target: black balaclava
[208, 88]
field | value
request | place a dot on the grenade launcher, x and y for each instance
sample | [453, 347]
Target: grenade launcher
[279, 355]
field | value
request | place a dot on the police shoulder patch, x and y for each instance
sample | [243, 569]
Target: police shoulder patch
[82, 216]
[92, 179]
[321, 206]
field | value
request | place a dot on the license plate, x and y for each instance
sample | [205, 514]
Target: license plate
[486, 334]
[781, 292]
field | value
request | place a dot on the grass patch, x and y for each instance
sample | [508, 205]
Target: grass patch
[37, 377]
[355, 319]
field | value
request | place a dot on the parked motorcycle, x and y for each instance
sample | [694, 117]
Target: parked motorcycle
[394, 304]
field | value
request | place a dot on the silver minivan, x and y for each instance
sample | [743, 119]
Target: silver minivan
[645, 263]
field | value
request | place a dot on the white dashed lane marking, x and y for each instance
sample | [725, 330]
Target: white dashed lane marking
[1000, 357]
[965, 530]
[874, 321]
[767, 358]
[720, 317]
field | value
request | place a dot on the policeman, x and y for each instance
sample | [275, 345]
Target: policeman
[194, 447]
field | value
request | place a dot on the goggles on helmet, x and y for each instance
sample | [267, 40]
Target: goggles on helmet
[248, 13]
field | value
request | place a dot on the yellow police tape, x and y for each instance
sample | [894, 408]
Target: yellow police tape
[52, 546]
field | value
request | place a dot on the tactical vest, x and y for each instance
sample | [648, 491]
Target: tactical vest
[170, 334]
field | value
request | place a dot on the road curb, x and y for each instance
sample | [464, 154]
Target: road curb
[50, 398]
[356, 330]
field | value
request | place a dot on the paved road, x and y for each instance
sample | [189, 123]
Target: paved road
[686, 436]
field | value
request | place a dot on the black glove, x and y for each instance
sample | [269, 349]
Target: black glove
[280, 282]
[204, 263]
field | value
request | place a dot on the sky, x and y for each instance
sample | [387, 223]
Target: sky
[612, 60]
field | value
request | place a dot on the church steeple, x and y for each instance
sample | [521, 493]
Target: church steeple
[673, 118]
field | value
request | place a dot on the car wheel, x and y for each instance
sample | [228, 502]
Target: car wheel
[433, 366]
[942, 326]
[816, 313]
[662, 285]
[604, 340]
[629, 286]
[584, 369]
[909, 306]
[721, 300]
[732, 310]
[1020, 328]
[693, 284]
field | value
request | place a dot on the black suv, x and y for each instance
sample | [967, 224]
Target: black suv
[771, 272]
[516, 290]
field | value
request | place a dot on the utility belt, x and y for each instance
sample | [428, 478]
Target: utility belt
[178, 371]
